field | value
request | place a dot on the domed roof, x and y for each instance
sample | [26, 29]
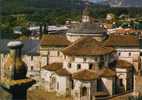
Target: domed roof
[87, 28]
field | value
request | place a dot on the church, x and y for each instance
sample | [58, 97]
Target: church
[87, 64]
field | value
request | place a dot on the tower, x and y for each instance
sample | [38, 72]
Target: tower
[87, 13]
[14, 80]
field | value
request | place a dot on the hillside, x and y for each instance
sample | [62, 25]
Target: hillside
[120, 3]
[16, 6]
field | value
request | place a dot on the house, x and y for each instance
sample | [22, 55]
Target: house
[51, 45]
[127, 47]
[88, 71]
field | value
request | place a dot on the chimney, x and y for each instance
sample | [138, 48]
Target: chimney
[19, 68]
[17, 84]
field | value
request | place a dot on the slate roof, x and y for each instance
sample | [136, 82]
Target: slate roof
[31, 47]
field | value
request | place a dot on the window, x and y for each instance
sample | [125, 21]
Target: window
[119, 53]
[32, 68]
[121, 82]
[72, 84]
[47, 59]
[90, 66]
[57, 85]
[58, 53]
[32, 58]
[78, 66]
[95, 59]
[69, 65]
[129, 53]
[84, 59]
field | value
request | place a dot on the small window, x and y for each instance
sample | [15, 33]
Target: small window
[72, 84]
[90, 66]
[84, 59]
[57, 85]
[58, 53]
[78, 66]
[129, 54]
[32, 68]
[32, 58]
[121, 82]
[119, 53]
[95, 59]
[69, 65]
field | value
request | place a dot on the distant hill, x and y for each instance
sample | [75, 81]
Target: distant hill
[15, 6]
[120, 3]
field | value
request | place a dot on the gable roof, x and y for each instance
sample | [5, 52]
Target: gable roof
[55, 40]
[87, 47]
[121, 41]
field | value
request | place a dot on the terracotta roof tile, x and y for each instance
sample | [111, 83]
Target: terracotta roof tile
[123, 64]
[63, 72]
[85, 75]
[106, 72]
[121, 41]
[53, 66]
[54, 40]
[87, 47]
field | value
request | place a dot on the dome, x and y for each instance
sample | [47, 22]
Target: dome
[87, 28]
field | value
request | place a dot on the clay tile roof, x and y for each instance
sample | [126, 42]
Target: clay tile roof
[122, 41]
[123, 64]
[87, 47]
[54, 40]
[122, 30]
[53, 66]
[63, 72]
[85, 75]
[107, 72]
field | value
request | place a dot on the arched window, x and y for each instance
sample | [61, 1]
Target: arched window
[84, 91]
[90, 66]
[78, 66]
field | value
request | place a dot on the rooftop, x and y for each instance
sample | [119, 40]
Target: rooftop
[87, 47]
[121, 41]
[55, 40]
[85, 75]
[63, 72]
[53, 66]
[106, 72]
